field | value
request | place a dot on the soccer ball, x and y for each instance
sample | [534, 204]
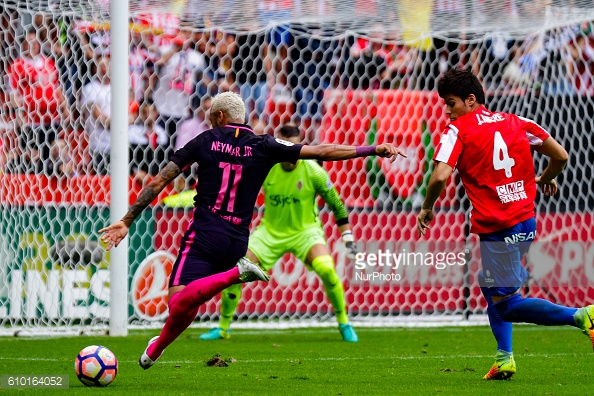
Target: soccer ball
[96, 366]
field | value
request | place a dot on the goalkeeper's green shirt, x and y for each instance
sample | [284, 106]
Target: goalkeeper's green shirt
[290, 198]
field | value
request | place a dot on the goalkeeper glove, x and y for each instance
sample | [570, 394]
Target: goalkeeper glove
[349, 244]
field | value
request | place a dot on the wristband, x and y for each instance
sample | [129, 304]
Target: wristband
[365, 151]
[347, 236]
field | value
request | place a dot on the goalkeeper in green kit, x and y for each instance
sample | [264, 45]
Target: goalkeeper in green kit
[291, 225]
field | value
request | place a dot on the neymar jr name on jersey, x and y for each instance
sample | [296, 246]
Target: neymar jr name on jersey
[230, 149]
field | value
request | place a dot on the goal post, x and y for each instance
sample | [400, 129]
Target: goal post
[94, 100]
[120, 78]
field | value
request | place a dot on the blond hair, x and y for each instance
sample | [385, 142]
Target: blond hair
[231, 104]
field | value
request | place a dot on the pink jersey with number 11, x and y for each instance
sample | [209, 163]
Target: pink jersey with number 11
[492, 152]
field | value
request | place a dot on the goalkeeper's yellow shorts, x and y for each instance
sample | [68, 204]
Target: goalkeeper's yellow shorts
[269, 249]
[184, 199]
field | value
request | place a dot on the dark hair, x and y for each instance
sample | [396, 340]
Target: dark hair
[29, 31]
[461, 83]
[289, 131]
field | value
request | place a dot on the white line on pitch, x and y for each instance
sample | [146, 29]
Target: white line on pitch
[295, 360]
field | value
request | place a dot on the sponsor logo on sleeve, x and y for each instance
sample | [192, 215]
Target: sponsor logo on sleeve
[285, 142]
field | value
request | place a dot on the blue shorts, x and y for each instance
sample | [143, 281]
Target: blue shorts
[205, 253]
[502, 252]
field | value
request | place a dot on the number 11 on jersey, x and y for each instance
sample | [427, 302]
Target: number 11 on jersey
[225, 182]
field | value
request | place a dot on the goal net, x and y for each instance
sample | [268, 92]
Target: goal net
[346, 71]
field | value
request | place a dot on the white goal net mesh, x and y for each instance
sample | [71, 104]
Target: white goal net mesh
[348, 72]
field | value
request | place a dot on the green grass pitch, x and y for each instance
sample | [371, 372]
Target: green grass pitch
[551, 360]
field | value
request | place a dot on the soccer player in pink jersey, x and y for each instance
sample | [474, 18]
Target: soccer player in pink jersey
[233, 163]
[492, 152]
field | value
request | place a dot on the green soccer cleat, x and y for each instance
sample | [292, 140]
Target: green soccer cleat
[502, 370]
[348, 333]
[215, 334]
[584, 319]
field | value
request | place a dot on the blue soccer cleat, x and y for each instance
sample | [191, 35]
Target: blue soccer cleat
[215, 334]
[348, 333]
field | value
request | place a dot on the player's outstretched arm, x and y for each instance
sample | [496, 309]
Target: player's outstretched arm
[115, 233]
[558, 160]
[436, 185]
[338, 152]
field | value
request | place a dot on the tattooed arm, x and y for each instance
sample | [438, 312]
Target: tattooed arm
[114, 234]
[151, 191]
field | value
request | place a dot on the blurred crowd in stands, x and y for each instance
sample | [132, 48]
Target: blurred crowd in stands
[56, 91]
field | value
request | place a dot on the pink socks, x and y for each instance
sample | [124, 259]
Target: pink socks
[183, 307]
